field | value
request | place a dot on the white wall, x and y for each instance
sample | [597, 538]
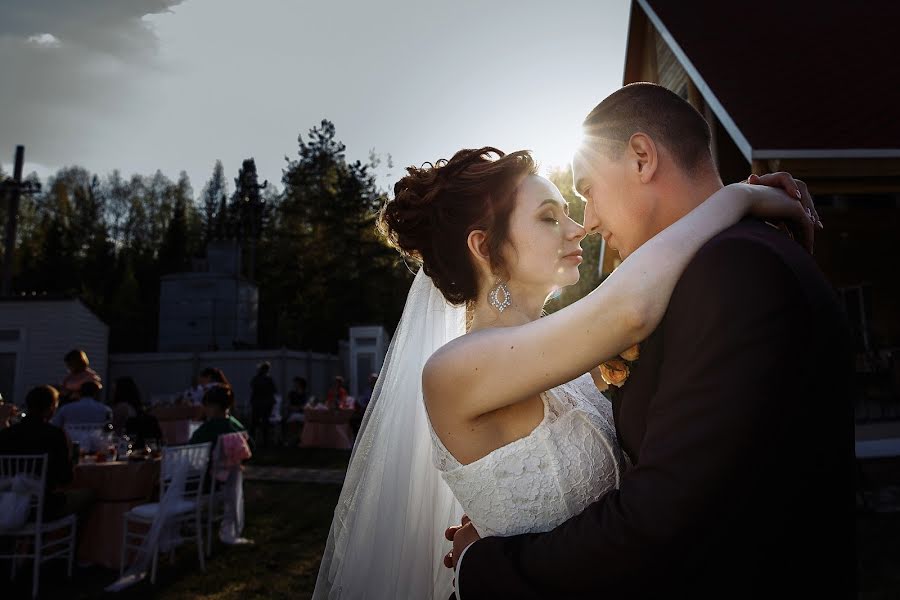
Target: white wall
[169, 373]
[48, 329]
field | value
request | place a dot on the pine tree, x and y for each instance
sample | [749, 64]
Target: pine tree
[325, 267]
[214, 194]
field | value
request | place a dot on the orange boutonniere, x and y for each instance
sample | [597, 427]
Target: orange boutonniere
[615, 371]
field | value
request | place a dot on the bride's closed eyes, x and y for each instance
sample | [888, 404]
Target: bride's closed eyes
[550, 216]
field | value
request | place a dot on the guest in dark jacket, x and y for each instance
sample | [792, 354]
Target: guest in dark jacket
[262, 400]
[35, 435]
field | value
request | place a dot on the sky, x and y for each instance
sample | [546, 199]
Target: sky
[141, 85]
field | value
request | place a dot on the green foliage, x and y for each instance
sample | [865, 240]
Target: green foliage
[312, 248]
[214, 195]
[321, 261]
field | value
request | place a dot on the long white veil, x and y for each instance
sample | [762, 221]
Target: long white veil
[387, 536]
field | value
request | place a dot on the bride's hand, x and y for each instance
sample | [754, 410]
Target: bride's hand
[794, 187]
[798, 189]
[774, 204]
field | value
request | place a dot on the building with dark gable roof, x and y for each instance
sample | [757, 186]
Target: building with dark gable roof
[813, 89]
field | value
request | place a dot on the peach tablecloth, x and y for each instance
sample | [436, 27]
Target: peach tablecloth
[117, 487]
[327, 429]
[175, 421]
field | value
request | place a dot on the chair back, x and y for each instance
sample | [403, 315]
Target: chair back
[234, 444]
[191, 460]
[26, 473]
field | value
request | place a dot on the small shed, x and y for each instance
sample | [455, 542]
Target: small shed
[35, 334]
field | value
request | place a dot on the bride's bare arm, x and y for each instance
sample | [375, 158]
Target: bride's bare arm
[492, 368]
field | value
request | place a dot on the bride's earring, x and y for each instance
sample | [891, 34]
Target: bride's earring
[499, 297]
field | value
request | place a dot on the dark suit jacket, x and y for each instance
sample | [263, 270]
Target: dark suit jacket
[739, 425]
[34, 436]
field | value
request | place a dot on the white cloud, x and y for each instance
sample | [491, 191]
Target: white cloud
[44, 40]
[58, 102]
[142, 85]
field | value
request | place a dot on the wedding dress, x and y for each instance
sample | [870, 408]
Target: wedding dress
[537, 482]
[403, 488]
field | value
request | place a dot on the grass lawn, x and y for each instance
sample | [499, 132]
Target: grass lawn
[289, 523]
[306, 458]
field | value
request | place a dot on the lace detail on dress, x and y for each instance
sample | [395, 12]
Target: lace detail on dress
[539, 481]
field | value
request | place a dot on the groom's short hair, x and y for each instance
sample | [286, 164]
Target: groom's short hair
[656, 111]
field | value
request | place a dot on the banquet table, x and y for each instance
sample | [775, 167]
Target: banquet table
[175, 421]
[118, 487]
[323, 428]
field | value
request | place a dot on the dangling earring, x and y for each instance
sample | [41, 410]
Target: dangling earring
[499, 297]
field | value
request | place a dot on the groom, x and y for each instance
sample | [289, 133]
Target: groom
[736, 417]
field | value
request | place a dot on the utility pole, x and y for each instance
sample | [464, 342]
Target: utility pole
[13, 189]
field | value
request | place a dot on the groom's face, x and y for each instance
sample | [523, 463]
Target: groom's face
[614, 207]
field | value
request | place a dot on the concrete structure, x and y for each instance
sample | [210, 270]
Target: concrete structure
[35, 334]
[212, 308]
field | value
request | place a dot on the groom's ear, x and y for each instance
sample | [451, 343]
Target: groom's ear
[644, 156]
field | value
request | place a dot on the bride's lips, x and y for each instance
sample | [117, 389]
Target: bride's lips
[575, 256]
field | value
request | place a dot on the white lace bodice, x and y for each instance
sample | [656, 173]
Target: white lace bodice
[539, 481]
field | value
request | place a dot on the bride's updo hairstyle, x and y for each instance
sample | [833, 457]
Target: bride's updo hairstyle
[436, 206]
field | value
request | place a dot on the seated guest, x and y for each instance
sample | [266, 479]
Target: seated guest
[34, 435]
[80, 371]
[207, 378]
[337, 394]
[364, 400]
[123, 391]
[84, 410]
[297, 397]
[217, 403]
[211, 375]
[7, 412]
[361, 403]
[139, 425]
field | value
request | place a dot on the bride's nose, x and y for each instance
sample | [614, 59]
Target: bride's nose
[576, 231]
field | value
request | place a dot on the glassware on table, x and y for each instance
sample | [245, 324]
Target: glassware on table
[124, 447]
[154, 447]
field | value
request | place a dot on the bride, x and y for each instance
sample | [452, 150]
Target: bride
[483, 407]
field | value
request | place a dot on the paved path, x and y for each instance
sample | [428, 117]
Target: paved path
[294, 474]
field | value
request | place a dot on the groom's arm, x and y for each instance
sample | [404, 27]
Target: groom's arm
[736, 321]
